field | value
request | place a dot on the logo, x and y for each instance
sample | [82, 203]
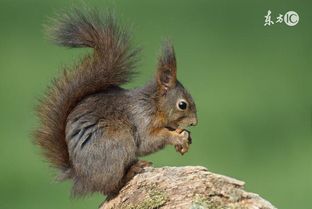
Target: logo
[290, 18]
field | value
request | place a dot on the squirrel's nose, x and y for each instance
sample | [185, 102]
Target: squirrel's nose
[194, 122]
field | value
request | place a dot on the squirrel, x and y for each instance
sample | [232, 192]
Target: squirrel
[93, 130]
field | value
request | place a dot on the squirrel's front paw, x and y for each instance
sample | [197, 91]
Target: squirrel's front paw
[183, 141]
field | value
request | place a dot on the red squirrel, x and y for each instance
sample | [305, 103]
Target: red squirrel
[93, 130]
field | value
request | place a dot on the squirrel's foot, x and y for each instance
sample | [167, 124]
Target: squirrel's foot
[136, 168]
[183, 141]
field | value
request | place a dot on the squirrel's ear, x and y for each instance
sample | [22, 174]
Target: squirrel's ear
[167, 68]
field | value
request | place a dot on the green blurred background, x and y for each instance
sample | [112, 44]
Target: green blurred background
[252, 85]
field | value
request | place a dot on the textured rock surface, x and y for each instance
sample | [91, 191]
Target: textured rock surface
[190, 187]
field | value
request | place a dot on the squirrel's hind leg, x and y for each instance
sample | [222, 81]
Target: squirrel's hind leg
[100, 164]
[136, 168]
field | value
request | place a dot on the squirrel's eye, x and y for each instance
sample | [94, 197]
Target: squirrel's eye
[182, 105]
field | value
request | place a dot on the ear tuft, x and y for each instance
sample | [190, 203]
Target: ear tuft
[167, 57]
[167, 68]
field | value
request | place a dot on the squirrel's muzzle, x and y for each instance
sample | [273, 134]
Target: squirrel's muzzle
[193, 121]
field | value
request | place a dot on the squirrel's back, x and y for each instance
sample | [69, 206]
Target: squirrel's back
[111, 64]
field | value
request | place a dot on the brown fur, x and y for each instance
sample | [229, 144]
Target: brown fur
[112, 65]
[92, 129]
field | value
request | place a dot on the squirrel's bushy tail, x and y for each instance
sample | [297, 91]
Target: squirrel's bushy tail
[111, 64]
